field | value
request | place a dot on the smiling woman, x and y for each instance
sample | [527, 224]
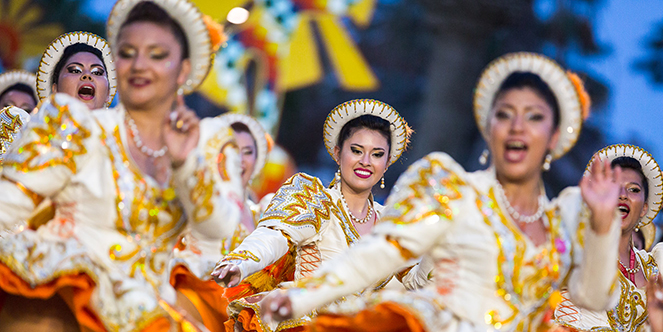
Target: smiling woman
[307, 223]
[79, 64]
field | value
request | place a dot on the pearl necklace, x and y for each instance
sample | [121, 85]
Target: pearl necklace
[636, 266]
[139, 143]
[369, 213]
[517, 216]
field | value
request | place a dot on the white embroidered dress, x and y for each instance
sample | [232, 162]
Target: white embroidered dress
[112, 222]
[488, 274]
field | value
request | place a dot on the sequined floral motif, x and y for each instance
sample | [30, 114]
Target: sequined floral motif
[525, 278]
[432, 190]
[201, 195]
[54, 138]
[301, 201]
[10, 124]
[630, 314]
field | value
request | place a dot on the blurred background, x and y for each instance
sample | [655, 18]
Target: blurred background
[289, 62]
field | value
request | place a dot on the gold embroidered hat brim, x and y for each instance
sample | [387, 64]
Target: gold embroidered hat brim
[54, 52]
[259, 136]
[651, 171]
[342, 114]
[7, 79]
[570, 109]
[190, 20]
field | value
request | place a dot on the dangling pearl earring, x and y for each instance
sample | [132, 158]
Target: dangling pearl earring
[180, 91]
[483, 159]
[382, 183]
[338, 175]
[546, 162]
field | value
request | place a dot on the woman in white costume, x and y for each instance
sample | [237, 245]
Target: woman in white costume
[17, 88]
[639, 202]
[81, 65]
[254, 145]
[500, 249]
[312, 222]
[127, 183]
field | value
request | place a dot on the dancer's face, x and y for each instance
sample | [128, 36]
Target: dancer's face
[521, 134]
[19, 99]
[249, 154]
[149, 65]
[83, 76]
[363, 159]
[632, 204]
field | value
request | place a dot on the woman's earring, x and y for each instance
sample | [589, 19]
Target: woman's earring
[180, 91]
[483, 159]
[382, 183]
[338, 175]
[546, 162]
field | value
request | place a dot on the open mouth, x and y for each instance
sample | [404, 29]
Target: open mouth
[86, 92]
[363, 173]
[139, 82]
[515, 151]
[624, 210]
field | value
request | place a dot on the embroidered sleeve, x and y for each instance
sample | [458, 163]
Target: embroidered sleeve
[301, 208]
[53, 148]
[419, 210]
[592, 283]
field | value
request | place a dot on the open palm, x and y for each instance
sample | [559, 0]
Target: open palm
[600, 191]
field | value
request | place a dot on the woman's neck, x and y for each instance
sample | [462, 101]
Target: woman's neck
[522, 195]
[149, 121]
[625, 245]
[357, 201]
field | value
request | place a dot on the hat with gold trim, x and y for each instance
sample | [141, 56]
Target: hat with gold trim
[260, 136]
[55, 51]
[572, 99]
[342, 114]
[651, 171]
[13, 77]
[196, 27]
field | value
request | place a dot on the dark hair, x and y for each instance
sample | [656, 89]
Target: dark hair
[21, 88]
[239, 127]
[632, 163]
[520, 80]
[367, 121]
[69, 51]
[148, 11]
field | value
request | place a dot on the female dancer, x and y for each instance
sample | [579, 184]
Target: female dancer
[127, 183]
[254, 145]
[311, 221]
[79, 64]
[17, 88]
[639, 202]
[501, 250]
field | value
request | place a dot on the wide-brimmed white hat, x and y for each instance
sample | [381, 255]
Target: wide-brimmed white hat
[561, 84]
[259, 134]
[191, 21]
[651, 171]
[13, 77]
[54, 53]
[342, 114]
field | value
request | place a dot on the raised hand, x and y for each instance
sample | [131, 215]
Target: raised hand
[277, 306]
[655, 303]
[600, 191]
[180, 132]
[227, 275]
